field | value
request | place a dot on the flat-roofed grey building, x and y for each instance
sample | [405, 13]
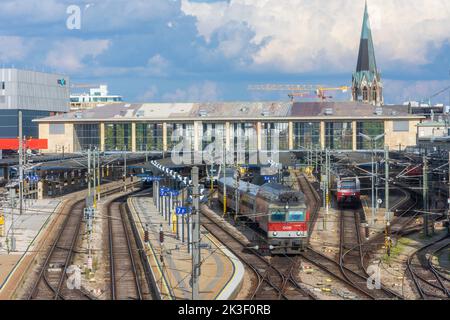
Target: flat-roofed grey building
[36, 94]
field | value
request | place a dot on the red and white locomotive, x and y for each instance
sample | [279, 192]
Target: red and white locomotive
[280, 212]
[347, 188]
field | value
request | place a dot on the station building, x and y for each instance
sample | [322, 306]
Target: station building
[299, 126]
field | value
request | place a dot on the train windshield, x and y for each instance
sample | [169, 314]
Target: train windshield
[278, 217]
[348, 185]
[296, 216]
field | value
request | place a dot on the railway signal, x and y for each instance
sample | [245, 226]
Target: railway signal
[161, 234]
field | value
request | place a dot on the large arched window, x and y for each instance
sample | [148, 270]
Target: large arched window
[374, 94]
[365, 94]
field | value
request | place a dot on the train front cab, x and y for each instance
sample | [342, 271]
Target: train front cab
[349, 193]
[288, 230]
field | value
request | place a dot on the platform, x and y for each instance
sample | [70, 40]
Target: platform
[33, 230]
[221, 272]
[36, 215]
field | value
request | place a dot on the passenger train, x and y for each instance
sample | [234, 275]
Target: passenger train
[280, 212]
[347, 187]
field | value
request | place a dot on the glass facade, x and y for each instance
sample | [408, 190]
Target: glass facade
[9, 123]
[275, 130]
[117, 136]
[86, 135]
[243, 136]
[177, 132]
[339, 135]
[306, 134]
[149, 137]
[371, 129]
[211, 132]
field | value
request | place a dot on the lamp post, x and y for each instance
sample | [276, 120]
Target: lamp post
[372, 142]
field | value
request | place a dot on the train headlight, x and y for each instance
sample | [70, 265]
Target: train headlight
[275, 234]
[299, 233]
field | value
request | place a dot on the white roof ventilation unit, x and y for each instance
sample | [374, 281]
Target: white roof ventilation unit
[140, 114]
[78, 115]
[203, 113]
[379, 111]
[329, 111]
[265, 113]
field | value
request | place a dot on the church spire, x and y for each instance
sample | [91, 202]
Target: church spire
[366, 57]
[367, 84]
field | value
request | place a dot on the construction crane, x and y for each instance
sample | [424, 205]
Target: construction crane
[303, 91]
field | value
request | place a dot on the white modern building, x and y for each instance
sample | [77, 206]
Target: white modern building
[36, 94]
[96, 97]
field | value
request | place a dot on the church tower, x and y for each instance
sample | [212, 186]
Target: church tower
[366, 83]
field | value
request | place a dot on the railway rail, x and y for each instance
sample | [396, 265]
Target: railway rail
[352, 252]
[53, 274]
[125, 273]
[54, 271]
[357, 280]
[428, 282]
[443, 274]
[275, 278]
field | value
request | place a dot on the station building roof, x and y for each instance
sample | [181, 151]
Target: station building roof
[239, 111]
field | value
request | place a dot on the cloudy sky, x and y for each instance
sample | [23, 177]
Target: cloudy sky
[203, 50]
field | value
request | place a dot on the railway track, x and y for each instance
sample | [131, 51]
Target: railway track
[125, 273]
[352, 252]
[349, 268]
[275, 277]
[51, 280]
[51, 283]
[429, 283]
[443, 274]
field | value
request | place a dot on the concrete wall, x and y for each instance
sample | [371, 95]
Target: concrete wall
[400, 140]
[428, 131]
[57, 142]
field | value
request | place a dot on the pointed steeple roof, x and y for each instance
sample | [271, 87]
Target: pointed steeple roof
[366, 57]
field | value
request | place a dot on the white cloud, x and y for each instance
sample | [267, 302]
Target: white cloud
[34, 11]
[12, 49]
[204, 92]
[149, 94]
[298, 36]
[69, 55]
[158, 65]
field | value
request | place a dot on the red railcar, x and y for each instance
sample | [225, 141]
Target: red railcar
[279, 211]
[347, 187]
